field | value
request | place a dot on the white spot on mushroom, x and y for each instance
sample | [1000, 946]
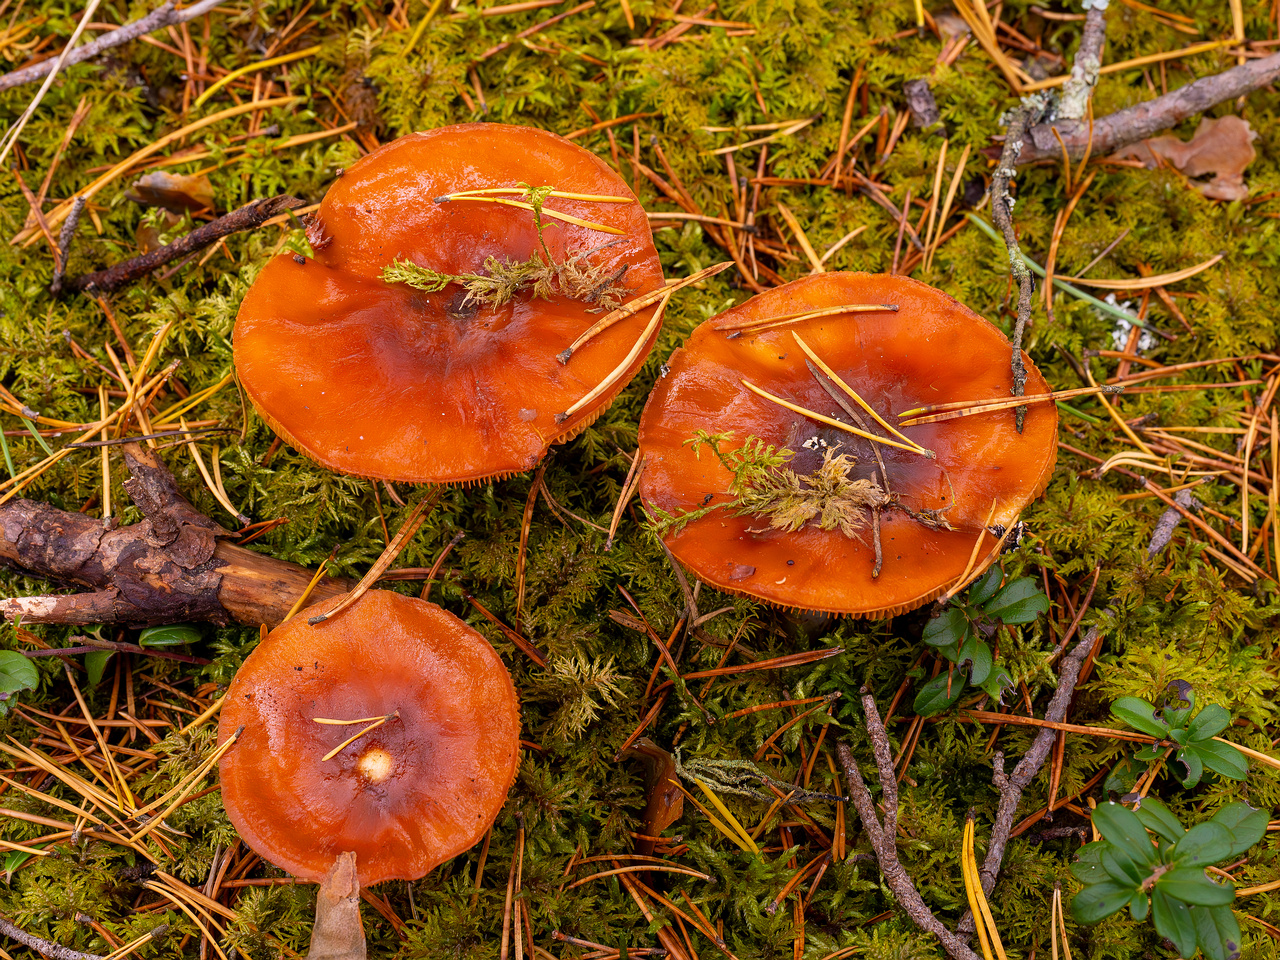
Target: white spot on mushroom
[375, 764]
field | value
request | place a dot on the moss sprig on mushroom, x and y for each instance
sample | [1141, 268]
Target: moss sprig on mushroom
[541, 276]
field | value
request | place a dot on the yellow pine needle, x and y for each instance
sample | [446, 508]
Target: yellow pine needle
[797, 317]
[347, 723]
[253, 68]
[306, 594]
[214, 488]
[129, 948]
[784, 132]
[802, 238]
[80, 812]
[178, 902]
[1192, 51]
[617, 373]
[946, 205]
[59, 213]
[107, 782]
[728, 815]
[764, 821]
[1144, 283]
[212, 710]
[853, 395]
[1056, 916]
[350, 740]
[124, 795]
[171, 414]
[988, 935]
[636, 304]
[935, 201]
[20, 848]
[550, 214]
[77, 783]
[839, 425]
[714, 820]
[521, 191]
[181, 792]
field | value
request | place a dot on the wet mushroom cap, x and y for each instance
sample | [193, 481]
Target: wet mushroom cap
[407, 795]
[931, 350]
[381, 380]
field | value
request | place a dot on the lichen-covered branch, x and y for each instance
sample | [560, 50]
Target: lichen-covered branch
[1146, 119]
[45, 948]
[1084, 71]
[164, 16]
[883, 834]
[1002, 213]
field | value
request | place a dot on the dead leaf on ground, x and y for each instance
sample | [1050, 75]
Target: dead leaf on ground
[665, 802]
[1221, 148]
[338, 933]
[177, 192]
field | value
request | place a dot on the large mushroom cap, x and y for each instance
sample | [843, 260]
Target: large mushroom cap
[406, 796]
[931, 350]
[380, 380]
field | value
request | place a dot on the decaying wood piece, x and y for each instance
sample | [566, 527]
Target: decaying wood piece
[174, 566]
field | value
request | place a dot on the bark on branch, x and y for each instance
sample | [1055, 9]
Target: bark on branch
[173, 566]
[1147, 119]
[248, 217]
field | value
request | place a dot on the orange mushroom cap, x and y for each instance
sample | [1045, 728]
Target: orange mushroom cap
[381, 380]
[408, 794]
[930, 350]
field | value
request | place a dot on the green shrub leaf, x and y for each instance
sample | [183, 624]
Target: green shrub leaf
[1191, 885]
[1100, 900]
[1123, 830]
[933, 697]
[173, 635]
[1140, 715]
[1203, 844]
[985, 588]
[1223, 759]
[1209, 722]
[1155, 816]
[1217, 931]
[1173, 921]
[1019, 602]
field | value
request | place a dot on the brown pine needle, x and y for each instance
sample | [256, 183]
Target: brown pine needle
[968, 408]
[802, 238]
[388, 557]
[521, 191]
[763, 323]
[306, 593]
[636, 304]
[652, 865]
[377, 722]
[550, 214]
[620, 370]
[214, 488]
[829, 421]
[853, 395]
[934, 200]
[774, 663]
[946, 206]
[973, 556]
[179, 793]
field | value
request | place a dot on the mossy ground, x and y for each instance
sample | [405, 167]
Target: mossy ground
[1178, 616]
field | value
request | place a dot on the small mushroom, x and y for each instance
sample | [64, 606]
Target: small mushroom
[390, 731]
[451, 268]
[837, 506]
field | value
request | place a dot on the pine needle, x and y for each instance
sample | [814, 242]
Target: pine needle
[830, 422]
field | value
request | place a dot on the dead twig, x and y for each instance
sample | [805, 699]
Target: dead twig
[1011, 786]
[884, 834]
[45, 948]
[164, 16]
[65, 237]
[1146, 119]
[1169, 521]
[248, 217]
[1084, 71]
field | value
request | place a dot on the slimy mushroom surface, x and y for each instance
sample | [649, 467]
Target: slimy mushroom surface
[929, 350]
[379, 379]
[406, 795]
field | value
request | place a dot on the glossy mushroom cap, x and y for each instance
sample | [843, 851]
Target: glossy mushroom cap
[406, 796]
[380, 380]
[931, 350]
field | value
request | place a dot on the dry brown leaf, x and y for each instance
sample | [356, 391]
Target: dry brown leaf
[173, 191]
[338, 933]
[665, 801]
[1221, 148]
